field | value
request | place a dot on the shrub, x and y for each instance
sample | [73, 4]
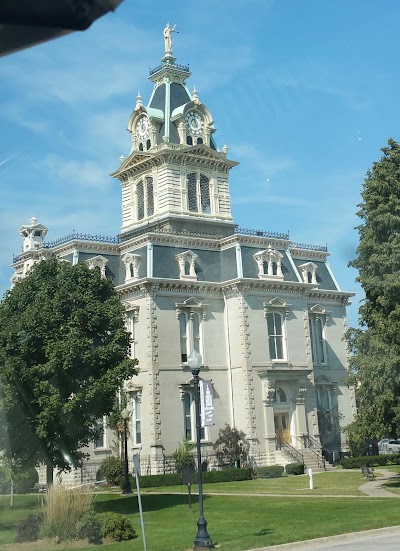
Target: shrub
[64, 508]
[29, 529]
[272, 471]
[155, 480]
[370, 461]
[112, 468]
[295, 468]
[26, 481]
[231, 447]
[183, 456]
[89, 528]
[115, 526]
[227, 475]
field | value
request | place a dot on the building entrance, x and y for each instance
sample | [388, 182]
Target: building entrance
[282, 429]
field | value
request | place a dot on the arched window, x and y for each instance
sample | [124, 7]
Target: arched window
[205, 194]
[275, 336]
[183, 335]
[317, 339]
[274, 268]
[198, 189]
[148, 144]
[140, 200]
[189, 327]
[192, 191]
[189, 140]
[140, 147]
[199, 141]
[150, 196]
[187, 417]
[282, 395]
[145, 198]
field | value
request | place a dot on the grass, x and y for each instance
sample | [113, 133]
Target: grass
[235, 522]
[325, 483]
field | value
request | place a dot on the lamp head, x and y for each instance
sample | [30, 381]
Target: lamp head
[125, 413]
[194, 361]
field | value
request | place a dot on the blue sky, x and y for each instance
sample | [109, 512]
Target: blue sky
[303, 92]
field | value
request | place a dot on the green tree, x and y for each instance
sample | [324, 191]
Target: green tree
[375, 349]
[231, 446]
[63, 357]
[183, 456]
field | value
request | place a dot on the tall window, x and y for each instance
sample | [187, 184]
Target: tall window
[136, 420]
[317, 340]
[100, 441]
[198, 188]
[275, 335]
[145, 198]
[189, 324]
[189, 418]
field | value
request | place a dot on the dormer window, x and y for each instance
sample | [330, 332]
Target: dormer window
[99, 263]
[198, 192]
[132, 264]
[187, 264]
[309, 272]
[269, 263]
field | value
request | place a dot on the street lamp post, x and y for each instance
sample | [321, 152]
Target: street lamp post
[127, 483]
[202, 538]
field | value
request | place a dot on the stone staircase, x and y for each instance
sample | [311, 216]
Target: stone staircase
[311, 460]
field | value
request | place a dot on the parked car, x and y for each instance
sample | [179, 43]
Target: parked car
[382, 444]
[393, 446]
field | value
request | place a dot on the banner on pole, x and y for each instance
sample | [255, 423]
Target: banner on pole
[206, 403]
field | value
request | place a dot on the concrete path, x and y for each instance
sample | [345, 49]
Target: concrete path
[373, 488]
[386, 538]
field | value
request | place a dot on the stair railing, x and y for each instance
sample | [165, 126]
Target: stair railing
[316, 451]
[327, 454]
[290, 450]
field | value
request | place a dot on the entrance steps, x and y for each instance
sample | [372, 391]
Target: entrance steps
[311, 460]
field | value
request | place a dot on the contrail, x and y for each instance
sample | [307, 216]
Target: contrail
[6, 160]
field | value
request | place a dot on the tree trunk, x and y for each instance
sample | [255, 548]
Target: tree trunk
[49, 473]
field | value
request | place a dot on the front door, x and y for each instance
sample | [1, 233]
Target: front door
[282, 429]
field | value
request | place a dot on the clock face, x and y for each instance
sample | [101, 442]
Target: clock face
[142, 128]
[194, 123]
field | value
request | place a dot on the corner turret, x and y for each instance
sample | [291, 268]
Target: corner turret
[33, 235]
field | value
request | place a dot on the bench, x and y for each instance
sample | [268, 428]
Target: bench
[40, 487]
[368, 472]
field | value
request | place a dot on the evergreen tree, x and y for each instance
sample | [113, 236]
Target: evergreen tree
[63, 357]
[375, 360]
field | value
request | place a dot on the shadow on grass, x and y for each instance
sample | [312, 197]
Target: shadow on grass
[263, 532]
[392, 483]
[150, 502]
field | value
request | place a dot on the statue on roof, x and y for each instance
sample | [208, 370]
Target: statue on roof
[168, 38]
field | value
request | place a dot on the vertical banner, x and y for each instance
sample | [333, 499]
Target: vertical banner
[206, 403]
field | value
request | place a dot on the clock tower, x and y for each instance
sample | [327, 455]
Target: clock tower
[174, 173]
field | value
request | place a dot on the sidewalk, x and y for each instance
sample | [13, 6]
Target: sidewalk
[373, 488]
[344, 539]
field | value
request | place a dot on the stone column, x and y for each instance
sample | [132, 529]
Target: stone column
[270, 437]
[301, 420]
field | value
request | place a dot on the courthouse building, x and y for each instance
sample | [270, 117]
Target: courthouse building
[266, 313]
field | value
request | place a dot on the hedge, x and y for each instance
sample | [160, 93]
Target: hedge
[272, 471]
[295, 468]
[370, 461]
[226, 475]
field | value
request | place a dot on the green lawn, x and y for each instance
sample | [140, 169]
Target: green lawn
[236, 523]
[325, 483]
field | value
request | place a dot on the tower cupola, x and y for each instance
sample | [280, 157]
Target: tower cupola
[33, 235]
[174, 171]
